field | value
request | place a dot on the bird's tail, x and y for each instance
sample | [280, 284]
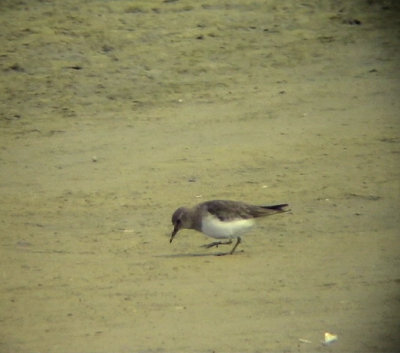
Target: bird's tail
[277, 208]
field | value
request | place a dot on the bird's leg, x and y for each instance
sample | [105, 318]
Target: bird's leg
[216, 243]
[237, 243]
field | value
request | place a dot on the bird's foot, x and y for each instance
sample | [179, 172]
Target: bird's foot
[216, 243]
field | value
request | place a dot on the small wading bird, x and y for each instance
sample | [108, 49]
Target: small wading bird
[221, 219]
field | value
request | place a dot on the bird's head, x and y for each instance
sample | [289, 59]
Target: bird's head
[180, 219]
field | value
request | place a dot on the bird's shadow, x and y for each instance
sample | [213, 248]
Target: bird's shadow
[197, 254]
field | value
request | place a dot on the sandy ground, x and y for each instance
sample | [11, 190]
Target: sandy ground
[114, 113]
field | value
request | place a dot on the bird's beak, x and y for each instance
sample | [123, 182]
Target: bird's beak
[176, 228]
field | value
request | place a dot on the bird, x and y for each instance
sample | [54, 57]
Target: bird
[222, 219]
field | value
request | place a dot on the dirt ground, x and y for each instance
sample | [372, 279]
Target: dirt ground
[115, 113]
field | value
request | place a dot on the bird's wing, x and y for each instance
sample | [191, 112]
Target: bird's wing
[228, 210]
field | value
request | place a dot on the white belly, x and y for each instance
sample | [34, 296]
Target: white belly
[215, 228]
